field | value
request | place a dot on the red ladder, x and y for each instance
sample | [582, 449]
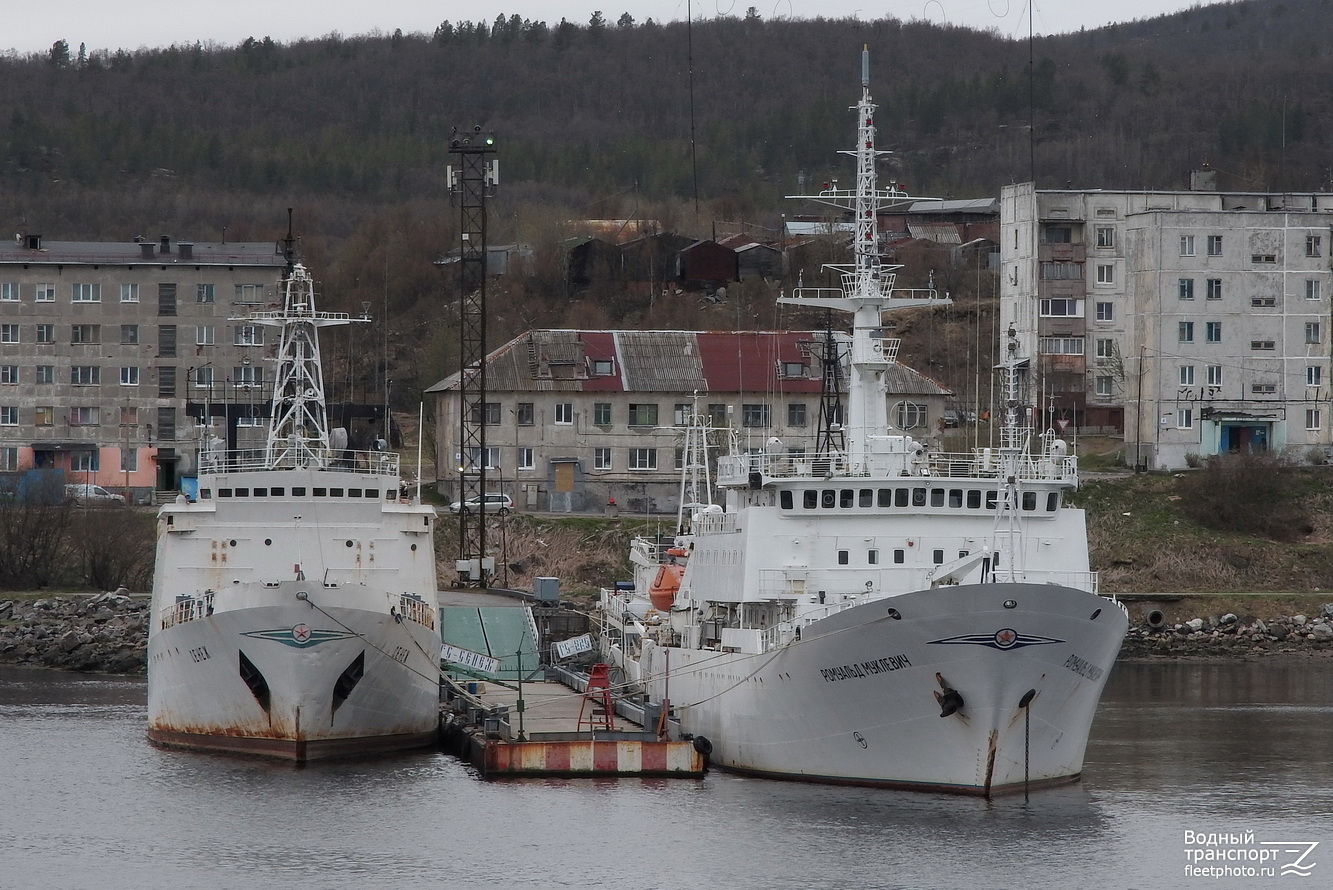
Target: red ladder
[598, 696]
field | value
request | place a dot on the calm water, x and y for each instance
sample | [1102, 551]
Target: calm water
[86, 802]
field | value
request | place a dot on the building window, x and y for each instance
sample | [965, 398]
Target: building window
[642, 415]
[909, 415]
[793, 370]
[248, 335]
[1186, 375]
[166, 383]
[46, 373]
[46, 333]
[1263, 388]
[1314, 375]
[129, 417]
[796, 414]
[601, 413]
[1313, 419]
[1105, 237]
[1263, 259]
[525, 459]
[1105, 312]
[10, 333]
[129, 335]
[1263, 302]
[1058, 234]
[252, 377]
[491, 455]
[9, 415]
[754, 415]
[643, 458]
[680, 414]
[1105, 273]
[1060, 346]
[166, 340]
[1214, 375]
[203, 377]
[88, 416]
[1057, 271]
[1185, 419]
[483, 413]
[1105, 348]
[85, 375]
[9, 292]
[1185, 332]
[1262, 345]
[205, 335]
[129, 376]
[85, 461]
[86, 293]
[1214, 245]
[1313, 245]
[45, 415]
[1213, 331]
[1187, 245]
[1185, 288]
[129, 460]
[249, 293]
[1312, 289]
[129, 293]
[1312, 332]
[1214, 288]
[85, 333]
[205, 293]
[564, 413]
[1062, 307]
[1103, 384]
[603, 367]
[524, 415]
[601, 458]
[46, 293]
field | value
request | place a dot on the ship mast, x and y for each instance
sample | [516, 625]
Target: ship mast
[867, 286]
[298, 432]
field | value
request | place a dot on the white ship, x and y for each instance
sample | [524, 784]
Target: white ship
[294, 601]
[876, 612]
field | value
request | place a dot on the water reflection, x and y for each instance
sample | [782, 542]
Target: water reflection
[1175, 746]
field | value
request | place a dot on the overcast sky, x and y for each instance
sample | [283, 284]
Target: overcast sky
[33, 25]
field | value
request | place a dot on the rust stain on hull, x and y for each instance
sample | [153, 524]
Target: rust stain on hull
[286, 747]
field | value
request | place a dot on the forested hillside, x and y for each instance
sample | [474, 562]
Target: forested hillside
[594, 119]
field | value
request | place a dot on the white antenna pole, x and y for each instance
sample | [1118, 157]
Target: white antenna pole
[421, 434]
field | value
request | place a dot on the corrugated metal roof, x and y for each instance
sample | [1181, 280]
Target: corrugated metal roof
[940, 233]
[971, 205]
[669, 361]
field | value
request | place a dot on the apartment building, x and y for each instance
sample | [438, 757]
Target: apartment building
[576, 419]
[1194, 323]
[116, 356]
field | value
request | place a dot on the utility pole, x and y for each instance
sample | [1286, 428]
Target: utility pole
[476, 176]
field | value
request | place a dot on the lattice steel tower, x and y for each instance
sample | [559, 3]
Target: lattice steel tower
[476, 175]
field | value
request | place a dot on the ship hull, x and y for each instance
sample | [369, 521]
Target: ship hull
[298, 679]
[858, 698]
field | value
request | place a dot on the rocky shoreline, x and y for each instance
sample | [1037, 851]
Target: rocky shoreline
[108, 633]
[103, 633]
[1229, 635]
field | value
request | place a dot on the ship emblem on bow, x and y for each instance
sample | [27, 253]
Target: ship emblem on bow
[302, 636]
[1005, 638]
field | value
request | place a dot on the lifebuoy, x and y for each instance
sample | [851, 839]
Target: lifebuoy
[662, 592]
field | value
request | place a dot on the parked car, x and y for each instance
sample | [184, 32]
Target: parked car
[85, 493]
[499, 503]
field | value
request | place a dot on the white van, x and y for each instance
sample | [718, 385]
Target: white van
[85, 493]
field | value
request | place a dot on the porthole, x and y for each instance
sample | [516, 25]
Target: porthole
[414, 548]
[350, 544]
[1095, 614]
[1011, 604]
[232, 542]
[895, 614]
[268, 542]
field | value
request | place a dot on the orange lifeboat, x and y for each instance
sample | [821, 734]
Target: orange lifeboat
[662, 592]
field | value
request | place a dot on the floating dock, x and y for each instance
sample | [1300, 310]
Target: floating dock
[551, 735]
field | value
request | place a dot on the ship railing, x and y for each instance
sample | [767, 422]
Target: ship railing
[1088, 581]
[372, 463]
[736, 468]
[713, 523]
[414, 608]
[985, 463]
[187, 608]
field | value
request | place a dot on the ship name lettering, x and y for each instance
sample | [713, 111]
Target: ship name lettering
[199, 654]
[865, 668]
[1084, 668]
